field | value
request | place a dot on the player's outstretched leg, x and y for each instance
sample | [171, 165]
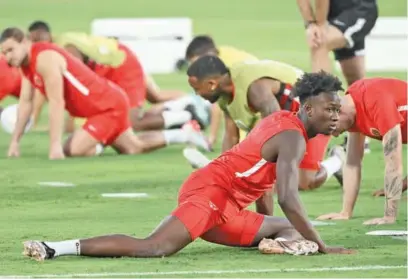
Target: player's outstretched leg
[273, 235]
[168, 238]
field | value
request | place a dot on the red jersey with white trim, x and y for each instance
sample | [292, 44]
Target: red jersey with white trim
[381, 104]
[242, 171]
[85, 93]
[10, 80]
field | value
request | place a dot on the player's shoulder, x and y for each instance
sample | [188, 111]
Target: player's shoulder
[281, 120]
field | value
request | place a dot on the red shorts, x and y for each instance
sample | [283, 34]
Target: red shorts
[130, 77]
[315, 151]
[203, 207]
[107, 126]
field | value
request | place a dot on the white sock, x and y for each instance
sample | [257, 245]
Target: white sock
[67, 247]
[367, 140]
[172, 118]
[98, 149]
[332, 165]
[175, 136]
[178, 104]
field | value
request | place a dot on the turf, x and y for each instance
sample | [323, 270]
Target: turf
[269, 29]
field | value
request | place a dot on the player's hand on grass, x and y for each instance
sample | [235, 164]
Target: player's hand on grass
[334, 216]
[14, 149]
[56, 153]
[379, 193]
[380, 221]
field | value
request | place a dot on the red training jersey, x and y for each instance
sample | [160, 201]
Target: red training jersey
[381, 104]
[85, 93]
[10, 80]
[242, 171]
[128, 75]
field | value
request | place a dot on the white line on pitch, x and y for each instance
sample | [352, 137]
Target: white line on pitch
[189, 272]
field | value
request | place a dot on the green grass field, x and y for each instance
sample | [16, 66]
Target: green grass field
[269, 29]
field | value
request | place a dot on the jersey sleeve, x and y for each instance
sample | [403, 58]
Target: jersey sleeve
[385, 114]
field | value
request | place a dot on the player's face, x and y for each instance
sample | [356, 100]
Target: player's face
[14, 51]
[206, 88]
[342, 124]
[323, 111]
[40, 36]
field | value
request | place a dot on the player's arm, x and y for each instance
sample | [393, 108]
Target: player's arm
[51, 66]
[261, 98]
[306, 10]
[25, 108]
[289, 148]
[392, 145]
[39, 101]
[352, 172]
[264, 205]
[154, 95]
[216, 115]
[321, 11]
[231, 134]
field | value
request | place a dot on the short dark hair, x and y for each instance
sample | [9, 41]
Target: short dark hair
[312, 84]
[199, 46]
[206, 66]
[39, 25]
[12, 32]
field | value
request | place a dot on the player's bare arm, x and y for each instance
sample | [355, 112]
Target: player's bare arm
[351, 177]
[321, 11]
[25, 107]
[287, 149]
[51, 66]
[231, 135]
[261, 98]
[306, 10]
[392, 146]
[216, 116]
[381, 193]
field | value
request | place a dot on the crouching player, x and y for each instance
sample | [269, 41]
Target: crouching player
[212, 201]
[376, 108]
[68, 83]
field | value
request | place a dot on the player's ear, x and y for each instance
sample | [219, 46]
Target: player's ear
[308, 108]
[213, 84]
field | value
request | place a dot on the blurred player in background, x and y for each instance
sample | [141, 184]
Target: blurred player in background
[339, 26]
[10, 79]
[252, 90]
[212, 200]
[376, 108]
[114, 61]
[68, 83]
[205, 45]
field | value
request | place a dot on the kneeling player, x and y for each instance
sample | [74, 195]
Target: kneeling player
[10, 80]
[68, 83]
[114, 61]
[212, 201]
[376, 108]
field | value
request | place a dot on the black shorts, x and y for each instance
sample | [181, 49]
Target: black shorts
[355, 23]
